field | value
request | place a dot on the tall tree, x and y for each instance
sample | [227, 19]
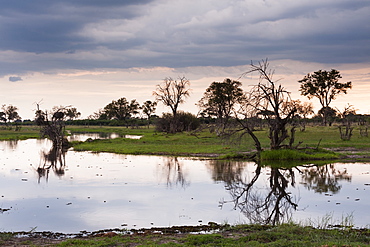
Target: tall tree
[173, 92]
[325, 86]
[149, 108]
[52, 127]
[270, 99]
[72, 113]
[10, 113]
[2, 117]
[220, 99]
[121, 109]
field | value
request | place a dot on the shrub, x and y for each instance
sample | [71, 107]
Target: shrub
[184, 121]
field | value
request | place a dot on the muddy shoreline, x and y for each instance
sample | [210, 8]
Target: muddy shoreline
[46, 238]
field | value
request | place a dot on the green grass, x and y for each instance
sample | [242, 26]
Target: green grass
[25, 132]
[158, 144]
[330, 138]
[240, 235]
[207, 143]
[204, 142]
[290, 154]
[324, 137]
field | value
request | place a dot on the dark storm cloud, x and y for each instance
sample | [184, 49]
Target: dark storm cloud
[51, 26]
[48, 35]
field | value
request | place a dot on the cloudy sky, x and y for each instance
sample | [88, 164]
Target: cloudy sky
[87, 53]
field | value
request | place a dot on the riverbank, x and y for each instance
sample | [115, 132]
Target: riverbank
[218, 235]
[23, 133]
[207, 144]
[203, 143]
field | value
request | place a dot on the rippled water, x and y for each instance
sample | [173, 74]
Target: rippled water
[74, 191]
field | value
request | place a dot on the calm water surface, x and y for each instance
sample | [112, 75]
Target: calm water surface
[74, 191]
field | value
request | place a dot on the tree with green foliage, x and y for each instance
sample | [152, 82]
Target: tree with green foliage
[325, 86]
[72, 113]
[220, 100]
[2, 117]
[329, 113]
[149, 108]
[9, 113]
[121, 109]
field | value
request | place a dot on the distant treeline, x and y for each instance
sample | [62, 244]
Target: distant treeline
[140, 122]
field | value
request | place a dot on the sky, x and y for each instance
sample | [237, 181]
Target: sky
[86, 53]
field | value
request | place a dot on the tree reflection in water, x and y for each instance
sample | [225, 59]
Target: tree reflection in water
[227, 171]
[55, 160]
[173, 173]
[271, 208]
[273, 204]
[324, 179]
[11, 144]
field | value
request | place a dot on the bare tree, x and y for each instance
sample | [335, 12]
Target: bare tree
[247, 115]
[270, 101]
[275, 206]
[345, 130]
[53, 127]
[173, 92]
[54, 159]
[304, 109]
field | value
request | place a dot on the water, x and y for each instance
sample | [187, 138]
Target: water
[101, 135]
[74, 191]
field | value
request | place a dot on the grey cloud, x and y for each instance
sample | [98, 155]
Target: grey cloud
[88, 34]
[52, 26]
[15, 78]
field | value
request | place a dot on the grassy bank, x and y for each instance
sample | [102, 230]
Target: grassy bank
[204, 142]
[241, 235]
[304, 154]
[25, 132]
